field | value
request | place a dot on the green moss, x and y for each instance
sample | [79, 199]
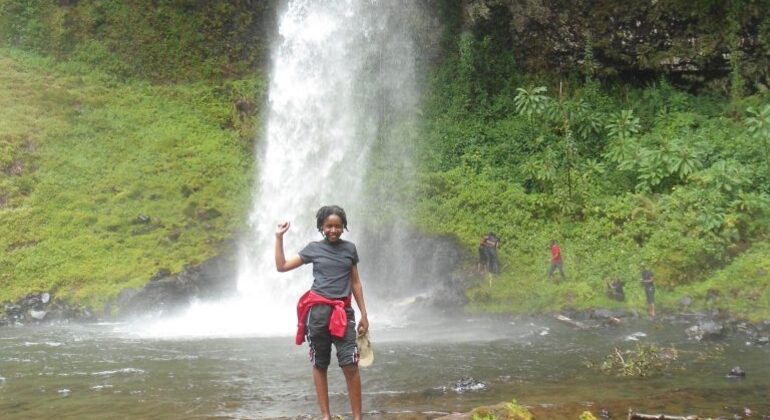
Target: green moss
[503, 411]
[95, 155]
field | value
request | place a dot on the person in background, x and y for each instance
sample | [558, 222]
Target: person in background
[324, 313]
[556, 261]
[488, 261]
[649, 291]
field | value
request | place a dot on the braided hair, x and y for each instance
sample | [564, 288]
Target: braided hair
[327, 211]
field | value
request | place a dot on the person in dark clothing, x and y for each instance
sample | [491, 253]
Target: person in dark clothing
[488, 261]
[325, 314]
[649, 291]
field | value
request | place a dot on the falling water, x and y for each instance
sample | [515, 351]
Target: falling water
[342, 71]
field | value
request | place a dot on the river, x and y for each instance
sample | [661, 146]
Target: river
[108, 370]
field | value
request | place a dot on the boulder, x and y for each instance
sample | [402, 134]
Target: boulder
[167, 292]
[736, 372]
[38, 315]
[467, 384]
[605, 314]
[706, 330]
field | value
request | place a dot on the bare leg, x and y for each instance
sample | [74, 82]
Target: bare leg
[353, 380]
[322, 391]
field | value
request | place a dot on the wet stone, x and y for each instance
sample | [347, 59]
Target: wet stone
[38, 315]
[467, 384]
[736, 372]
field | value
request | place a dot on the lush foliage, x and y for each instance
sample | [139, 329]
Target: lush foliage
[106, 177]
[105, 182]
[623, 178]
[159, 40]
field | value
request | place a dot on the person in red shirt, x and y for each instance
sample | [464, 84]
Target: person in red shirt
[556, 261]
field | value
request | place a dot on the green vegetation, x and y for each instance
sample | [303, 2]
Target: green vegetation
[166, 40]
[623, 176]
[122, 150]
[104, 182]
[645, 360]
[503, 411]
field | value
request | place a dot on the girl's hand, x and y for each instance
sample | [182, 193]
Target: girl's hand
[363, 326]
[282, 228]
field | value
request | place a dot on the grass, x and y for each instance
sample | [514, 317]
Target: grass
[103, 182]
[594, 254]
[742, 288]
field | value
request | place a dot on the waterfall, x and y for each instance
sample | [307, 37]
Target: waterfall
[342, 70]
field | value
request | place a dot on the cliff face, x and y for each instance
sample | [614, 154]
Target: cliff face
[695, 43]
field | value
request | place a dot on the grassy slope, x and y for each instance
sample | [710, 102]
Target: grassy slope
[83, 156]
[591, 259]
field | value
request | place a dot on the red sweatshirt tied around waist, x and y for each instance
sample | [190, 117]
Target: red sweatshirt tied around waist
[338, 322]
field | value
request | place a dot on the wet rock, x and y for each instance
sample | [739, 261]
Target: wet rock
[685, 302]
[635, 336]
[605, 314]
[706, 330]
[577, 314]
[42, 308]
[125, 296]
[38, 315]
[736, 372]
[467, 384]
[166, 292]
[762, 341]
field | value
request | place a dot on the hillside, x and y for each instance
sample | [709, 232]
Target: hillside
[635, 136]
[105, 182]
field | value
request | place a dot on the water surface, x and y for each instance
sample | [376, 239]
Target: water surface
[113, 370]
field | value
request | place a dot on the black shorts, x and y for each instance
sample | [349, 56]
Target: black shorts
[649, 290]
[320, 338]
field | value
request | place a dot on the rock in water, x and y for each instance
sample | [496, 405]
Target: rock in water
[466, 383]
[38, 315]
[736, 372]
[706, 330]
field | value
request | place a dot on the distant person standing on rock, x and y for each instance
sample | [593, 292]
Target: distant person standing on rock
[649, 291]
[556, 261]
[488, 261]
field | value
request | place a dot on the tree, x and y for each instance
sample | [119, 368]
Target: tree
[530, 101]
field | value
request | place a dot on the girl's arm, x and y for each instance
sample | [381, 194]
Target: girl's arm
[281, 263]
[358, 294]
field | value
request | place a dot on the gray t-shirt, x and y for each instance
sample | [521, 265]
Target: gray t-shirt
[332, 266]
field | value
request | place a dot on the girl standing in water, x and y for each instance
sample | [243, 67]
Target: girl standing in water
[324, 313]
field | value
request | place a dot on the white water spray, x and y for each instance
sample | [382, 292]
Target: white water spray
[337, 68]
